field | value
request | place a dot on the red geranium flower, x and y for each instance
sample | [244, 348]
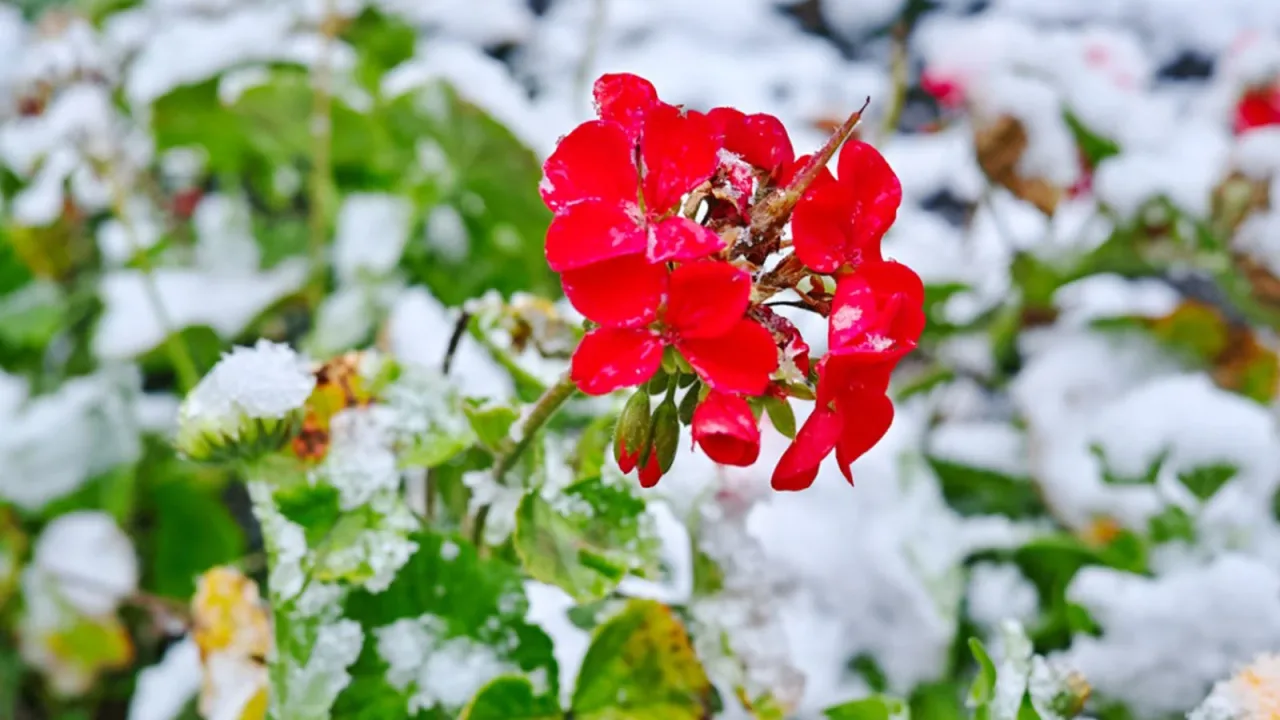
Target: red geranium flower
[726, 430]
[876, 318]
[840, 222]
[703, 319]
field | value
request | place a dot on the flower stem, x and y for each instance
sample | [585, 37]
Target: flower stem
[543, 410]
[775, 209]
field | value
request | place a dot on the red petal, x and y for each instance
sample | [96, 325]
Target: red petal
[821, 228]
[853, 312]
[707, 299]
[786, 336]
[902, 284]
[867, 417]
[736, 181]
[680, 238]
[624, 99]
[798, 466]
[840, 375]
[875, 187]
[592, 231]
[679, 152]
[761, 140]
[593, 162]
[651, 473]
[612, 358]
[739, 361]
[623, 292]
[726, 430]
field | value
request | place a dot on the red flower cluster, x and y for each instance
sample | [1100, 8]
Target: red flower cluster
[1258, 107]
[671, 230]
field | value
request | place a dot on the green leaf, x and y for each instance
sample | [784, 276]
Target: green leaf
[593, 448]
[1095, 147]
[594, 536]
[1172, 523]
[876, 707]
[491, 423]
[781, 415]
[31, 316]
[511, 698]
[488, 179]
[978, 491]
[641, 666]
[1205, 481]
[984, 685]
[938, 701]
[193, 532]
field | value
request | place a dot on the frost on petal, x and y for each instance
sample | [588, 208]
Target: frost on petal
[593, 162]
[867, 415]
[738, 361]
[799, 464]
[680, 238]
[612, 358]
[707, 299]
[853, 311]
[678, 151]
[90, 560]
[759, 139]
[726, 430]
[874, 186]
[622, 292]
[591, 232]
[624, 99]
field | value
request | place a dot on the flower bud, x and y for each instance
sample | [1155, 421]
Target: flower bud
[666, 435]
[631, 436]
[726, 430]
[249, 405]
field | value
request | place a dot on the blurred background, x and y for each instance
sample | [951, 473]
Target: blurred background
[1086, 441]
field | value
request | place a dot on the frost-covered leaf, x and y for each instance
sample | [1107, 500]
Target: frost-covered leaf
[448, 624]
[587, 540]
[31, 316]
[877, 707]
[641, 666]
[511, 698]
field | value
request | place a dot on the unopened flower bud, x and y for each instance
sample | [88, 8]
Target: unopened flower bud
[666, 434]
[631, 436]
[726, 430]
[249, 405]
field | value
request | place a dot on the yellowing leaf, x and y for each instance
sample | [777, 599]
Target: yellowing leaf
[642, 666]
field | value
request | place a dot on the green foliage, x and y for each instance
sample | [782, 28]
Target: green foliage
[873, 708]
[511, 698]
[585, 543]
[978, 491]
[1206, 480]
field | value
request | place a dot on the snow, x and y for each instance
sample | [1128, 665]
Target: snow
[90, 559]
[266, 382]
[433, 668]
[1225, 610]
[371, 235]
[130, 325]
[165, 688]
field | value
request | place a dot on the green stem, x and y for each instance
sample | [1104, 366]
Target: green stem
[543, 410]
